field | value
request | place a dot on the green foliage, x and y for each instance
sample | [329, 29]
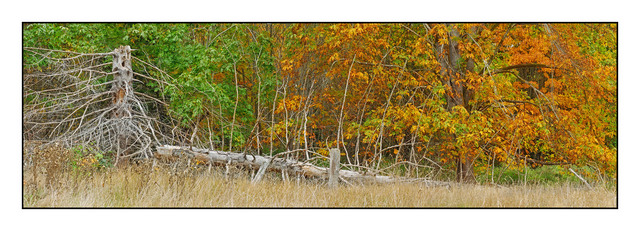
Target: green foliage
[85, 159]
[545, 175]
[204, 69]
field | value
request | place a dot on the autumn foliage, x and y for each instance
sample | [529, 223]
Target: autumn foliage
[462, 97]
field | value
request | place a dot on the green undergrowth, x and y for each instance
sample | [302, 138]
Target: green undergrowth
[543, 175]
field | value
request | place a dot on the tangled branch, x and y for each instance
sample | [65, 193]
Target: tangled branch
[83, 99]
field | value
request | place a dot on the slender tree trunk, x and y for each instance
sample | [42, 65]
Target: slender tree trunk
[257, 108]
[340, 136]
[306, 119]
[235, 107]
[273, 121]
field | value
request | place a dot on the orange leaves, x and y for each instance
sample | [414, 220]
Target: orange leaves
[287, 65]
[406, 83]
[529, 46]
[293, 103]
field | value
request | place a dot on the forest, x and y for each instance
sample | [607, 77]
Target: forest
[446, 101]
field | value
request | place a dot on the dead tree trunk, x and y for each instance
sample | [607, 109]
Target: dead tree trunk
[277, 164]
[82, 101]
[122, 89]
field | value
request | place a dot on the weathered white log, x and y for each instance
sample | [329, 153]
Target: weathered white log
[279, 164]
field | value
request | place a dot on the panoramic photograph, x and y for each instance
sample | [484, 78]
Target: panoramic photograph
[319, 115]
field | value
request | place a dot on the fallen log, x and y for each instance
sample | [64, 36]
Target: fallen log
[276, 163]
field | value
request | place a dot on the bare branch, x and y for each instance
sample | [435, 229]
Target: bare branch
[68, 100]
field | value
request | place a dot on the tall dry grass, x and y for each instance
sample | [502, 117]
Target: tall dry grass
[50, 184]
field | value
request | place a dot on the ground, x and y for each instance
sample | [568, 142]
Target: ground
[147, 186]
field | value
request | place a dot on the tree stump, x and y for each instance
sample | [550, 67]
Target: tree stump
[122, 90]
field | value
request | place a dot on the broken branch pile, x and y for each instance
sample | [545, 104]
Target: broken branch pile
[280, 164]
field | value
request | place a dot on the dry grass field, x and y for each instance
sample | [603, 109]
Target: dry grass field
[146, 186]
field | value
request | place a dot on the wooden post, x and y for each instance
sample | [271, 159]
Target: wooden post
[122, 88]
[334, 167]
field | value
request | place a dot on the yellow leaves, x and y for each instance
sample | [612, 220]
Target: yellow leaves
[352, 32]
[292, 103]
[334, 57]
[439, 90]
[469, 55]
[485, 33]
[460, 110]
[498, 139]
[443, 41]
[424, 129]
[323, 151]
[451, 129]
[287, 65]
[360, 77]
